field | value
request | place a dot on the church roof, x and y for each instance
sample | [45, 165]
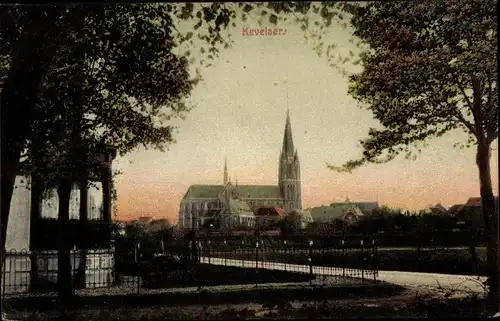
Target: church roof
[236, 207]
[258, 191]
[245, 191]
[203, 191]
[288, 148]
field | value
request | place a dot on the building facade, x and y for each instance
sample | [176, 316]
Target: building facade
[33, 230]
[202, 199]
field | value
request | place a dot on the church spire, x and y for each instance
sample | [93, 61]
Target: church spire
[226, 176]
[287, 137]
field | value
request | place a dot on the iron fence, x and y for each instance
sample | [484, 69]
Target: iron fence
[319, 259]
[193, 263]
[37, 271]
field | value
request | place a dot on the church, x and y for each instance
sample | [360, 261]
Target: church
[202, 200]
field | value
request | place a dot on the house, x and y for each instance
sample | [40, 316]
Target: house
[266, 216]
[348, 213]
[471, 210]
[366, 207]
[473, 201]
[455, 209]
[438, 209]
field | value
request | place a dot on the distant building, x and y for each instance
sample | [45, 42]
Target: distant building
[145, 219]
[438, 209]
[286, 194]
[473, 201]
[236, 214]
[455, 209]
[348, 213]
[266, 216]
[472, 209]
[365, 207]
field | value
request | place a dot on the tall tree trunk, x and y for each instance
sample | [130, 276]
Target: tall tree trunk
[490, 216]
[64, 279]
[18, 98]
[15, 102]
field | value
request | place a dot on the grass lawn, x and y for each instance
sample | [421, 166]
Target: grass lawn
[232, 303]
[211, 275]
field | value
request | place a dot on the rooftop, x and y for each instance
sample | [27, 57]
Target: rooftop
[270, 211]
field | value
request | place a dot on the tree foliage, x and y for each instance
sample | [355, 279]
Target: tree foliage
[430, 68]
[101, 63]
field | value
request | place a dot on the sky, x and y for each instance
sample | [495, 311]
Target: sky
[239, 114]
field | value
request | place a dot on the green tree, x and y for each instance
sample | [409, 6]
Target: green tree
[85, 66]
[290, 224]
[69, 71]
[430, 68]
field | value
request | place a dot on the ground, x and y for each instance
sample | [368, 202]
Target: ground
[406, 303]
[408, 294]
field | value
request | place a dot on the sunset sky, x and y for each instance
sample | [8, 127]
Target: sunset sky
[240, 110]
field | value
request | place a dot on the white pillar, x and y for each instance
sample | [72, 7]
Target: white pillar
[18, 226]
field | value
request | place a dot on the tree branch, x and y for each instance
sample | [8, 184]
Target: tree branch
[462, 90]
[469, 125]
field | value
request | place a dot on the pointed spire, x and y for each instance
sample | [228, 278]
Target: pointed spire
[288, 148]
[226, 180]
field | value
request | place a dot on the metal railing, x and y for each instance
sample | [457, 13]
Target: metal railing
[37, 271]
[192, 263]
[343, 260]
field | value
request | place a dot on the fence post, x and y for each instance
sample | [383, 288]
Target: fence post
[242, 256]
[209, 252]
[139, 270]
[200, 252]
[73, 272]
[4, 272]
[263, 254]
[33, 271]
[310, 261]
[190, 250]
[343, 258]
[284, 243]
[362, 261]
[225, 253]
[256, 262]
[374, 262]
[257, 255]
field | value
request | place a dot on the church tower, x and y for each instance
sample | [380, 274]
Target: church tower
[226, 176]
[289, 171]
